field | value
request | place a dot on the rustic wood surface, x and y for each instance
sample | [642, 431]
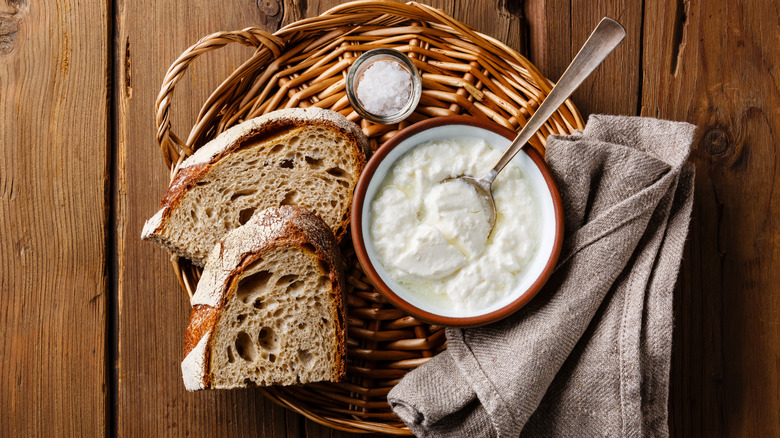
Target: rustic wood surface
[92, 318]
[54, 155]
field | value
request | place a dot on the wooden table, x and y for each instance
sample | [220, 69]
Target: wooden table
[91, 318]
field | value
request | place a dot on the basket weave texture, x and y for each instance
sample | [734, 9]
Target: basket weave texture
[305, 64]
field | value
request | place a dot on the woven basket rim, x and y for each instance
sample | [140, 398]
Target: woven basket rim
[303, 64]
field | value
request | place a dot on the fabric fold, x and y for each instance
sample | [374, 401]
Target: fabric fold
[447, 404]
[589, 355]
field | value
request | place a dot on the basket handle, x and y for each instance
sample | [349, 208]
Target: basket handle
[171, 145]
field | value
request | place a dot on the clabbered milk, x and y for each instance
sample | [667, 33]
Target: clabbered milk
[435, 237]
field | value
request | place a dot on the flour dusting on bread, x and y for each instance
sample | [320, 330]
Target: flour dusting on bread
[269, 308]
[304, 157]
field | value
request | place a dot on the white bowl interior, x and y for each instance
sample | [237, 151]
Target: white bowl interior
[535, 180]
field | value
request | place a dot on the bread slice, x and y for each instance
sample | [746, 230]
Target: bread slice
[269, 306]
[308, 157]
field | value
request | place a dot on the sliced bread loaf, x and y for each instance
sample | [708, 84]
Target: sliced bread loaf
[306, 157]
[269, 306]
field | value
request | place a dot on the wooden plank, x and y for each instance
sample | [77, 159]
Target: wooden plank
[614, 87]
[559, 28]
[53, 214]
[716, 64]
[549, 28]
[153, 311]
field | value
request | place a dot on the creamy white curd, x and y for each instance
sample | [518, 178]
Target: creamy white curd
[435, 238]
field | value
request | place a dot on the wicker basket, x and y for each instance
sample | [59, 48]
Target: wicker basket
[305, 64]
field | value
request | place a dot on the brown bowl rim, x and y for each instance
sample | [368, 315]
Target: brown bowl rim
[384, 289]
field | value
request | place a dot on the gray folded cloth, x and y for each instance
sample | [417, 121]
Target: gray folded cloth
[590, 354]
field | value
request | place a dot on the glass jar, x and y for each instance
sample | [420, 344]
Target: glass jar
[356, 74]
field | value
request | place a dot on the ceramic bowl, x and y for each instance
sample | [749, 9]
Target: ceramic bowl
[539, 180]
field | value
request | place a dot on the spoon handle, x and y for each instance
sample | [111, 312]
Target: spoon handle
[607, 35]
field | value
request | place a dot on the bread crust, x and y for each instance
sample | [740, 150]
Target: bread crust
[194, 168]
[275, 227]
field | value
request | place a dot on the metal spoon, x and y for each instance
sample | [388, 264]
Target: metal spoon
[607, 35]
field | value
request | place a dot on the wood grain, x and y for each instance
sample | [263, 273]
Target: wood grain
[152, 310]
[712, 63]
[716, 64]
[80, 78]
[53, 214]
[559, 29]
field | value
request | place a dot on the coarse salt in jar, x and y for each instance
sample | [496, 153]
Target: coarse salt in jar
[383, 86]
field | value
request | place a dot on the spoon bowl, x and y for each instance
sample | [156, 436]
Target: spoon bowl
[484, 192]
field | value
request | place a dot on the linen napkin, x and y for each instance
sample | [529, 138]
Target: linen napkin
[590, 354]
